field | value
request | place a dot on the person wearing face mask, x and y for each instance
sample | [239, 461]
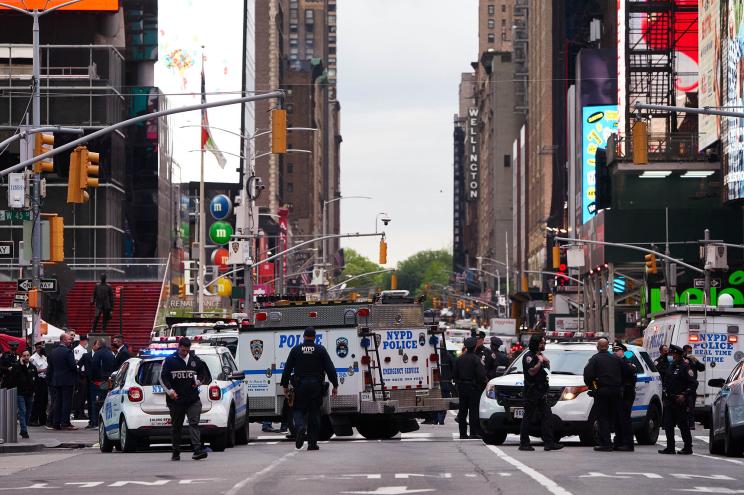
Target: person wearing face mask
[603, 374]
[22, 377]
[696, 366]
[623, 423]
[678, 385]
[662, 362]
[41, 389]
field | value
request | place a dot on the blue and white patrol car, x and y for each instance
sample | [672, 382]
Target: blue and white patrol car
[501, 405]
[134, 413]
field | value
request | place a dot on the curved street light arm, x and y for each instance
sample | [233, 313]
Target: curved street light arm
[360, 276]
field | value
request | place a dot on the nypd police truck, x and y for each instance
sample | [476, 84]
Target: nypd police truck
[386, 358]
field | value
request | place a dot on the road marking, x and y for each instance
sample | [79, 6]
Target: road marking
[702, 438]
[392, 490]
[709, 489]
[241, 484]
[543, 480]
[733, 461]
[722, 477]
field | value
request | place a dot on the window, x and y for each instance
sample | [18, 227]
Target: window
[503, 22]
[121, 377]
[149, 373]
[503, 36]
[491, 24]
[491, 38]
[290, 187]
[736, 374]
[649, 362]
[503, 7]
[290, 168]
[507, 160]
[635, 362]
[491, 10]
[332, 50]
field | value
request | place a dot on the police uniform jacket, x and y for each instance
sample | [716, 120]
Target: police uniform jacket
[446, 363]
[696, 366]
[628, 375]
[494, 359]
[469, 370]
[182, 375]
[122, 355]
[62, 371]
[679, 380]
[604, 370]
[7, 361]
[309, 360]
[662, 365]
[538, 383]
[23, 377]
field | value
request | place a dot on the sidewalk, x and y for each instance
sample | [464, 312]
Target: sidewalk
[41, 438]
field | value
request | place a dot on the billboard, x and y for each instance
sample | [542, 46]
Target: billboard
[597, 123]
[709, 54]
[100, 5]
[732, 128]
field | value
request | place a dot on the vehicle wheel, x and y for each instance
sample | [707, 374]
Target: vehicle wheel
[242, 434]
[326, 429]
[219, 442]
[731, 447]
[497, 437]
[127, 441]
[230, 440]
[714, 446]
[590, 436]
[104, 442]
[378, 430]
[649, 432]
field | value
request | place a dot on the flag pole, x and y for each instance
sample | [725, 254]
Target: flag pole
[202, 216]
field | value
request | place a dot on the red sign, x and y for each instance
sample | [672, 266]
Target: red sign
[99, 5]
[266, 273]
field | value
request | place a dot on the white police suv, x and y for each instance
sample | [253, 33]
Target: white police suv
[134, 413]
[501, 405]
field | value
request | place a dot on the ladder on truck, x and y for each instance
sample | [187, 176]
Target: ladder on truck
[373, 361]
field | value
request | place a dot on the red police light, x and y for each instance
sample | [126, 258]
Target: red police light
[365, 360]
[364, 312]
[215, 393]
[733, 339]
[261, 316]
[694, 337]
[313, 314]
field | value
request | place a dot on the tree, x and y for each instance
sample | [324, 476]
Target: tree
[356, 264]
[425, 267]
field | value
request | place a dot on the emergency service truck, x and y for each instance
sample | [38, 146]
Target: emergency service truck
[714, 334]
[385, 356]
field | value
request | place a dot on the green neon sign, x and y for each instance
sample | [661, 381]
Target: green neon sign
[696, 296]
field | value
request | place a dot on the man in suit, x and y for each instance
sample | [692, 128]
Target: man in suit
[62, 375]
[121, 350]
[102, 364]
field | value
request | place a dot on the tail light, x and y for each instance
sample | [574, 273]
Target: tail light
[570, 393]
[733, 339]
[364, 312]
[435, 377]
[215, 392]
[434, 358]
[313, 314]
[365, 360]
[261, 316]
[134, 394]
[367, 379]
[694, 337]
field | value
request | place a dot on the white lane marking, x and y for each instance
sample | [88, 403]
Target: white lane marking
[733, 461]
[702, 438]
[418, 434]
[543, 480]
[241, 484]
[392, 490]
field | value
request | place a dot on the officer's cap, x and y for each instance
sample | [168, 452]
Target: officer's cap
[619, 346]
[309, 332]
[184, 341]
[481, 334]
[470, 343]
[675, 348]
[496, 341]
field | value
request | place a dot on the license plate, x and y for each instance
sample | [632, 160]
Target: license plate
[518, 412]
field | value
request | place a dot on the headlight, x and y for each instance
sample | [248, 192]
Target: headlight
[491, 392]
[570, 393]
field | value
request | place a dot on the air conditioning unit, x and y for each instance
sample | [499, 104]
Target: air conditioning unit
[715, 257]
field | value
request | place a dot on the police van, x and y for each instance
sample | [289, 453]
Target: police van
[385, 356]
[714, 334]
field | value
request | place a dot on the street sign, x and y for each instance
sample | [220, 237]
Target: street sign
[26, 284]
[14, 215]
[699, 283]
[220, 233]
[6, 249]
[16, 190]
[220, 207]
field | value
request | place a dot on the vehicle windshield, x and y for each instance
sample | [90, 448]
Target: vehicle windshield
[188, 331]
[562, 362]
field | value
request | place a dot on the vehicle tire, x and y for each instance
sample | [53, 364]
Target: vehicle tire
[497, 437]
[731, 447]
[104, 442]
[230, 440]
[649, 432]
[326, 429]
[219, 442]
[378, 430]
[714, 446]
[242, 433]
[127, 440]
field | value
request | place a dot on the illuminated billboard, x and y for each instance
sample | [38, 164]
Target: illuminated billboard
[709, 53]
[597, 123]
[99, 5]
[732, 128]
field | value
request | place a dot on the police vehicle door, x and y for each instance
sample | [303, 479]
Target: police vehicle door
[642, 390]
[716, 345]
[237, 386]
[115, 400]
[408, 351]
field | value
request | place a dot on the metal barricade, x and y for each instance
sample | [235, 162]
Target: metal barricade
[8, 415]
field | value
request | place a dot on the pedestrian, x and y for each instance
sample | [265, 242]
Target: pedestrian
[662, 362]
[470, 377]
[696, 366]
[80, 397]
[309, 362]
[102, 364]
[41, 389]
[103, 298]
[7, 361]
[121, 350]
[181, 374]
[623, 422]
[603, 376]
[62, 375]
[535, 393]
[679, 383]
[495, 358]
[446, 365]
[23, 375]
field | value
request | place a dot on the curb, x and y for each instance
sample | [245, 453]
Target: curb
[14, 448]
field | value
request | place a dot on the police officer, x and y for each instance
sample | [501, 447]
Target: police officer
[495, 358]
[696, 366]
[181, 374]
[8, 359]
[470, 377]
[603, 375]
[623, 422]
[679, 384]
[536, 408]
[662, 362]
[480, 347]
[309, 362]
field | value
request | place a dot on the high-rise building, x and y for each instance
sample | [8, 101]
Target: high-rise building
[495, 21]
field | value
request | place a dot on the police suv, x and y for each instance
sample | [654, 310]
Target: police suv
[385, 356]
[502, 407]
[134, 413]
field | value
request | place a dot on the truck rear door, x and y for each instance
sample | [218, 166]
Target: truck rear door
[404, 356]
[257, 359]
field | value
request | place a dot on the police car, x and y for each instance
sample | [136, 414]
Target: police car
[726, 434]
[502, 408]
[134, 413]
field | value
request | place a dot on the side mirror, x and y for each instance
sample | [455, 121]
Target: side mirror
[238, 376]
[500, 369]
[716, 382]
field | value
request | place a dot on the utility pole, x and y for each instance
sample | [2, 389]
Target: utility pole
[706, 289]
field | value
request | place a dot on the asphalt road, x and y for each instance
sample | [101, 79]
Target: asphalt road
[431, 460]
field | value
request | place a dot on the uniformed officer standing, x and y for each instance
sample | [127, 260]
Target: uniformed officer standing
[679, 384]
[309, 362]
[696, 366]
[470, 378]
[536, 408]
[495, 358]
[662, 362]
[623, 422]
[603, 375]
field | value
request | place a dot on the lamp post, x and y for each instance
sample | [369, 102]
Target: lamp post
[497, 276]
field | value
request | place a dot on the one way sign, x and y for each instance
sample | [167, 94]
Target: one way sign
[47, 285]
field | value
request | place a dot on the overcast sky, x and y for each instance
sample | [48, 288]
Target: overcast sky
[399, 65]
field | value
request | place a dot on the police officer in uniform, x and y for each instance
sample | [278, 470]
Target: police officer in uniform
[623, 422]
[536, 408]
[603, 375]
[470, 378]
[309, 362]
[662, 362]
[679, 384]
[696, 366]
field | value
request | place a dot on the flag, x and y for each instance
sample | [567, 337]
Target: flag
[207, 141]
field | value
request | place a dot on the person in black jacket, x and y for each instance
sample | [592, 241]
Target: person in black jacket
[470, 377]
[623, 422]
[446, 365]
[662, 362]
[120, 349]
[536, 408]
[8, 359]
[62, 375]
[22, 377]
[309, 362]
[696, 367]
[679, 384]
[495, 358]
[102, 364]
[603, 376]
[181, 374]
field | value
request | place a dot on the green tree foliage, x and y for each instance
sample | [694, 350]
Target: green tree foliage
[424, 267]
[356, 264]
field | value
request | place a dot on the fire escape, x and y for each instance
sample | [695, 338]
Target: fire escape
[520, 42]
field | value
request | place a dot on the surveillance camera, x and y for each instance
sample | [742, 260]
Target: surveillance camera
[385, 220]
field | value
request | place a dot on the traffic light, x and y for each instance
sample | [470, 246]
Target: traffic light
[278, 131]
[393, 282]
[42, 140]
[56, 239]
[639, 134]
[556, 256]
[383, 252]
[181, 290]
[650, 263]
[84, 170]
[550, 298]
[33, 299]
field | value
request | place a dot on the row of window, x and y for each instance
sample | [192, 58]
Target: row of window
[492, 23]
[492, 9]
[492, 37]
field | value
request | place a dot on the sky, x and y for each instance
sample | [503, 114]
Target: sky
[399, 65]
